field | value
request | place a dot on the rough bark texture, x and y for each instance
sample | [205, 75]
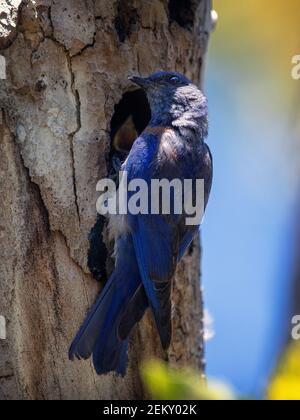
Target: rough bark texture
[67, 68]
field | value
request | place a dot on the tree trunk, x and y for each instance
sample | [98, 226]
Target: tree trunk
[67, 67]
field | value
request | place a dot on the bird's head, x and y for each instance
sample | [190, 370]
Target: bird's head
[174, 99]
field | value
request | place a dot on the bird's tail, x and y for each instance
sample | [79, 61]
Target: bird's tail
[104, 332]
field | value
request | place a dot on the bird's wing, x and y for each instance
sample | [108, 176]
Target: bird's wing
[205, 172]
[156, 248]
[156, 242]
[160, 240]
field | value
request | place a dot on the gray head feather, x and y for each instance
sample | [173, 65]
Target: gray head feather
[175, 101]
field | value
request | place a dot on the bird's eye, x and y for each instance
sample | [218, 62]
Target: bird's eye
[174, 80]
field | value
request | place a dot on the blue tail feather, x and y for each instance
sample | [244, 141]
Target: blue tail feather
[100, 333]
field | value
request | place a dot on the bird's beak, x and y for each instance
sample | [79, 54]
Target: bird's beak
[143, 82]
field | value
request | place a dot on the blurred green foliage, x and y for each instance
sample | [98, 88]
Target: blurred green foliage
[165, 383]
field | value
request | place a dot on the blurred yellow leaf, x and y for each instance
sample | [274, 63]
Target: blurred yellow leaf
[285, 384]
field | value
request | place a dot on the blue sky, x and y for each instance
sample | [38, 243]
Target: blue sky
[247, 234]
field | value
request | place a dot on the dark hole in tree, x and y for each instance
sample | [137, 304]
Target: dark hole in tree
[130, 118]
[191, 249]
[126, 20]
[97, 254]
[183, 12]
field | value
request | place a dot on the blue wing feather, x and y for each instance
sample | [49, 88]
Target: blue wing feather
[155, 239]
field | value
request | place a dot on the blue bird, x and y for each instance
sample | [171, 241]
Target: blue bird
[149, 246]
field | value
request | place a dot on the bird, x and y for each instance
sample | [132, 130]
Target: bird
[148, 247]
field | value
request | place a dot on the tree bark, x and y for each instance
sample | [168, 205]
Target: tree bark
[67, 67]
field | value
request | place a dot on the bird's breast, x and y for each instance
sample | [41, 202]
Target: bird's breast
[169, 142]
